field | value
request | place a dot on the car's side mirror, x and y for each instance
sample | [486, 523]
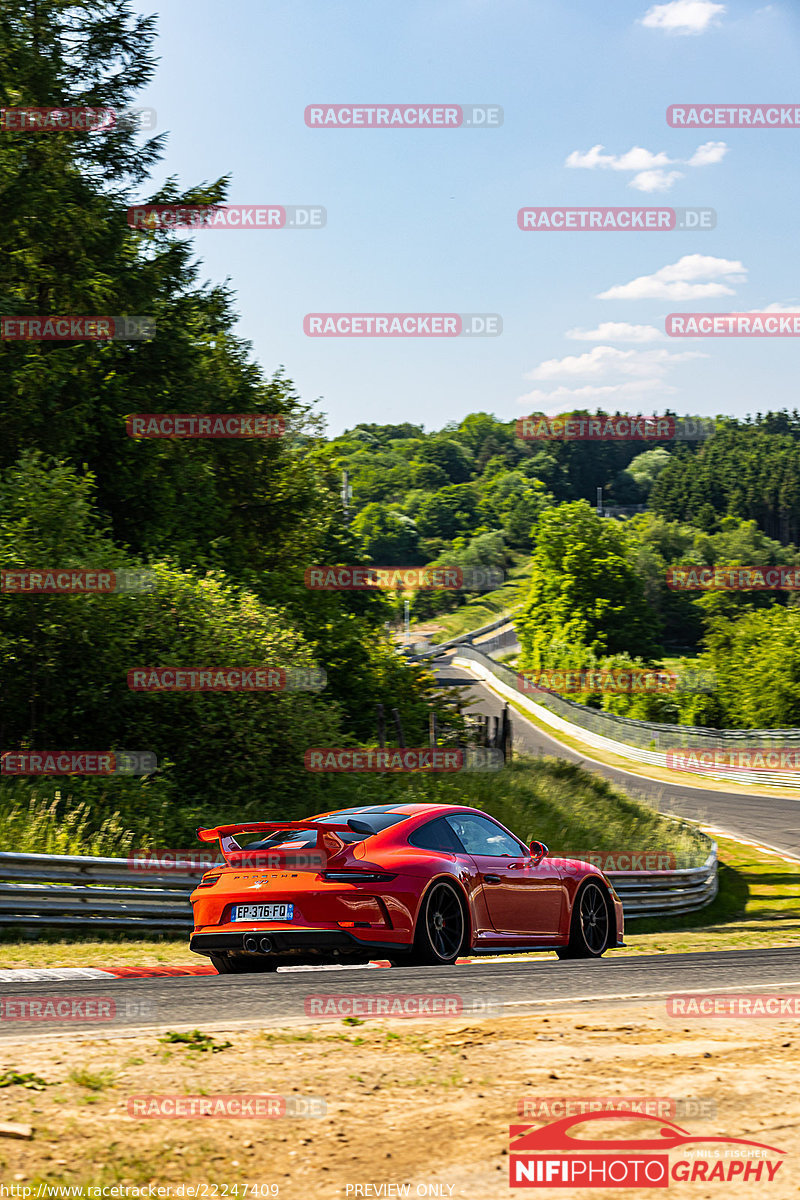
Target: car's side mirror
[538, 851]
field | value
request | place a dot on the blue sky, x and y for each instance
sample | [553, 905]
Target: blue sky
[425, 220]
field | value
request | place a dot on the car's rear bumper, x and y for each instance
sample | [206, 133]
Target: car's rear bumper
[314, 944]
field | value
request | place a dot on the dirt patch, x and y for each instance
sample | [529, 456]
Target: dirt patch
[427, 1105]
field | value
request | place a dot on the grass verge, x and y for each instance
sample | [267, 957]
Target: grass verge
[758, 905]
[483, 609]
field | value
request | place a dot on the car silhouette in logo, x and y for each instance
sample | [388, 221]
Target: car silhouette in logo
[556, 1135]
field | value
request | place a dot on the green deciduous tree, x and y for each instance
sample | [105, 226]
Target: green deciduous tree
[583, 590]
[389, 538]
[449, 512]
[66, 249]
[65, 658]
[757, 663]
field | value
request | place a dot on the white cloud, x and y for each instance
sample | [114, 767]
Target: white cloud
[708, 154]
[778, 307]
[650, 175]
[635, 159]
[683, 16]
[682, 280]
[655, 181]
[617, 331]
[604, 361]
[613, 376]
[562, 399]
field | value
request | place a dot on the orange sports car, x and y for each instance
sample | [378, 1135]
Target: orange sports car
[414, 883]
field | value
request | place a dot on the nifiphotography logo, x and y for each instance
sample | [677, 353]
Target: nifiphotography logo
[572, 1153]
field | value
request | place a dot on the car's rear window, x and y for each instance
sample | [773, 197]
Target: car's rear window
[377, 819]
[436, 835]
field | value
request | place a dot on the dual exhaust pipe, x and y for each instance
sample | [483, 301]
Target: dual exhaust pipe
[252, 944]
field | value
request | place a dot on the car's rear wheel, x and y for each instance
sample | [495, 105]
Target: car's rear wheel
[441, 928]
[237, 964]
[590, 929]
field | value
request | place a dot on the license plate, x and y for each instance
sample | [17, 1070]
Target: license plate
[262, 912]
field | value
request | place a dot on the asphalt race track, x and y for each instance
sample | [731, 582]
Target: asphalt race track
[770, 820]
[224, 1002]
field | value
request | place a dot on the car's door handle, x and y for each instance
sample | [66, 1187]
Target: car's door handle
[492, 878]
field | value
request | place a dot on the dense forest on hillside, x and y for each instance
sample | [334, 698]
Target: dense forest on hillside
[474, 492]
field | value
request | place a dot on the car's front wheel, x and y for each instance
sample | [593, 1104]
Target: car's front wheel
[237, 964]
[441, 928]
[590, 929]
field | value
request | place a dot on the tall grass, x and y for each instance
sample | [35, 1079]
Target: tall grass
[52, 826]
[571, 810]
[480, 610]
[554, 801]
[548, 799]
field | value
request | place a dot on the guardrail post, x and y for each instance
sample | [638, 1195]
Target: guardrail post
[506, 736]
[399, 725]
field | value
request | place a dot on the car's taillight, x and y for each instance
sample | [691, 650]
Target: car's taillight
[208, 881]
[357, 876]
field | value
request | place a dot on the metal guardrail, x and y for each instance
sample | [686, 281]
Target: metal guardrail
[640, 741]
[505, 639]
[107, 893]
[463, 639]
[667, 893]
[100, 893]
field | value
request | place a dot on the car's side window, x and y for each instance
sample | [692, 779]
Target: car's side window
[479, 835]
[436, 835]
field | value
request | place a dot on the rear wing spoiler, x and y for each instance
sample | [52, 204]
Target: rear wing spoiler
[328, 842]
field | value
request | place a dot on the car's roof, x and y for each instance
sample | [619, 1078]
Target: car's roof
[407, 810]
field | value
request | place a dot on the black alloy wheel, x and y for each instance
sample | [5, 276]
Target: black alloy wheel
[441, 928]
